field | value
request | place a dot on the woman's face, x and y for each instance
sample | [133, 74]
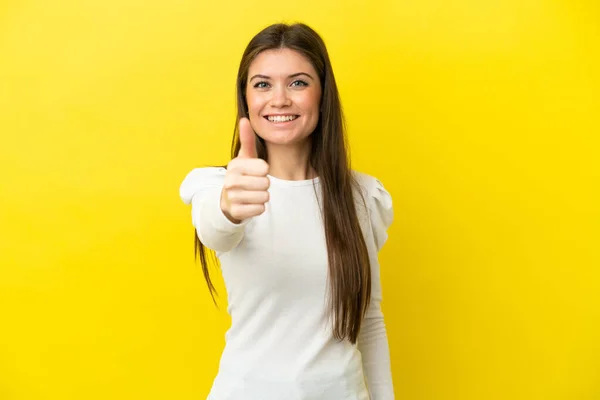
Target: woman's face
[283, 94]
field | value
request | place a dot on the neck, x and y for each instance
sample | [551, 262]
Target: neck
[290, 162]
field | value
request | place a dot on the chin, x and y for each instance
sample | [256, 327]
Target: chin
[287, 140]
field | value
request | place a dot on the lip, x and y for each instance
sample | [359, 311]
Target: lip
[266, 117]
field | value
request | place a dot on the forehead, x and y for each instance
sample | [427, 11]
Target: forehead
[278, 63]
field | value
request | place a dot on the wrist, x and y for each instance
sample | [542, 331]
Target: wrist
[224, 208]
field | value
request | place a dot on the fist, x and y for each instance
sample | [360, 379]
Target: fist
[246, 183]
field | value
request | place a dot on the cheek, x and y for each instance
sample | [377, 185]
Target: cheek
[253, 101]
[250, 101]
[310, 102]
[313, 103]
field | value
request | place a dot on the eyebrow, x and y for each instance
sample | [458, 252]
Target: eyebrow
[290, 76]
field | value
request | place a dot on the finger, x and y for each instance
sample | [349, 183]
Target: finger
[247, 140]
[249, 166]
[248, 196]
[243, 211]
[248, 183]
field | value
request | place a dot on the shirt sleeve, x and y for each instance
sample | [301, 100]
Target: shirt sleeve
[372, 340]
[202, 189]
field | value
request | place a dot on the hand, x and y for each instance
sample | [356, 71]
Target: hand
[245, 187]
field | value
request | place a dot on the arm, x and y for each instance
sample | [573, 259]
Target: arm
[202, 189]
[213, 228]
[372, 338]
[373, 346]
[224, 200]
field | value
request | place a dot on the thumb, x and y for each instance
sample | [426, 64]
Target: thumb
[247, 140]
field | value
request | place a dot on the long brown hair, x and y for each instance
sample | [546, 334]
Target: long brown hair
[349, 266]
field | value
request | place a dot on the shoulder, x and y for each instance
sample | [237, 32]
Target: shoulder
[378, 201]
[371, 187]
[200, 179]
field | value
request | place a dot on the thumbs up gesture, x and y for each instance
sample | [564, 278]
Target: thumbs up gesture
[245, 187]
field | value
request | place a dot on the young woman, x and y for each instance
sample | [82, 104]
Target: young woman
[297, 233]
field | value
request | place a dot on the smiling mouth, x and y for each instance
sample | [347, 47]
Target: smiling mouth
[281, 118]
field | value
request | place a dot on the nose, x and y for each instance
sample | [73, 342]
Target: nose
[280, 97]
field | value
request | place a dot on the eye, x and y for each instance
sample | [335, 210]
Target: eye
[299, 83]
[261, 85]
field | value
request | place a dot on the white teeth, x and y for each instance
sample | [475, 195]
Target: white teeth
[281, 118]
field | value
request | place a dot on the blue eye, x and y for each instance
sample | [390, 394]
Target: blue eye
[261, 85]
[299, 83]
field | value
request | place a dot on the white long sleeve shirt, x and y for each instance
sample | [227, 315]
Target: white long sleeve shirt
[280, 344]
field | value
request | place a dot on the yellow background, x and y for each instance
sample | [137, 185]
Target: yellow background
[480, 117]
